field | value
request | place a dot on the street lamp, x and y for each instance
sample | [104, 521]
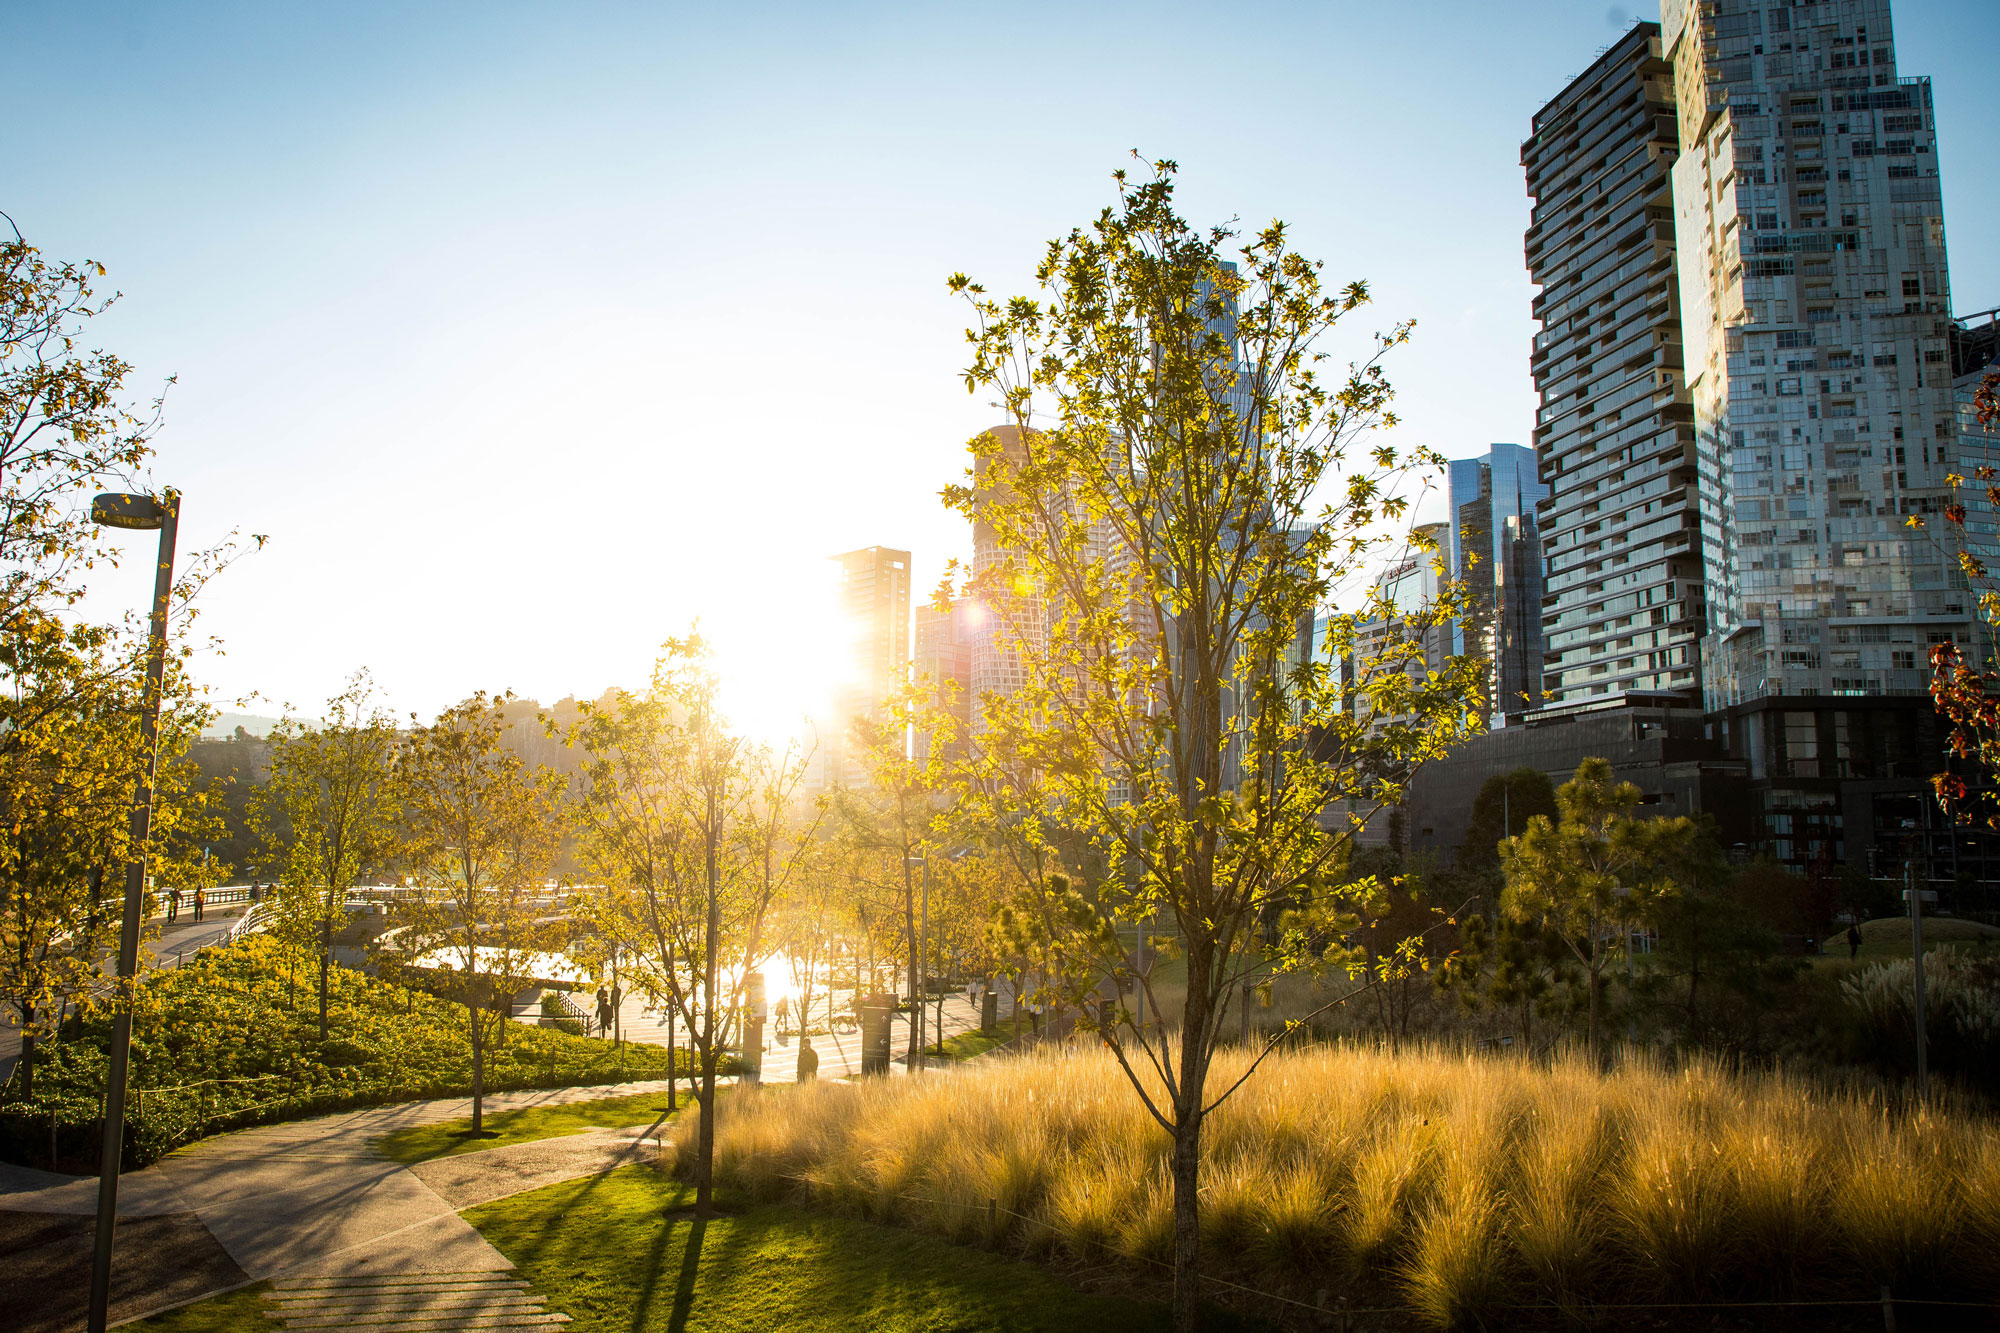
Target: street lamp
[139, 513]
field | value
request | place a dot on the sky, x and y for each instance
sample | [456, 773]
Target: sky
[531, 334]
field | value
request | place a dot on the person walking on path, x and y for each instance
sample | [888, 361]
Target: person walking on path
[173, 905]
[617, 1006]
[603, 1012]
[1853, 942]
[200, 901]
[808, 1060]
[784, 1007]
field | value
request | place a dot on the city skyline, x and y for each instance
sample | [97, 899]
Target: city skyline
[338, 219]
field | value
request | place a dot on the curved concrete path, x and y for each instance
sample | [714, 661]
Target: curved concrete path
[310, 1202]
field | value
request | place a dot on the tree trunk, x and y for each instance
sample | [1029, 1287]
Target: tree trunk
[704, 1152]
[1197, 1034]
[27, 1062]
[915, 1054]
[1596, 989]
[704, 1162]
[478, 1065]
[1187, 1223]
[325, 962]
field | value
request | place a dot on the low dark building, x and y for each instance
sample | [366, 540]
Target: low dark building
[1818, 784]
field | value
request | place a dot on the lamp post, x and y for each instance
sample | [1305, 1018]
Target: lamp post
[139, 513]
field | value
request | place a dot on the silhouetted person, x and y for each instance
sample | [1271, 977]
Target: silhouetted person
[808, 1059]
[200, 901]
[617, 1006]
[1853, 942]
[173, 904]
[603, 1012]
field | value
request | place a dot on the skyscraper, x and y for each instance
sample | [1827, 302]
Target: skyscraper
[944, 665]
[1816, 310]
[1614, 435]
[875, 606]
[1494, 547]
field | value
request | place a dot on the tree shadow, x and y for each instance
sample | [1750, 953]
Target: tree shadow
[684, 1287]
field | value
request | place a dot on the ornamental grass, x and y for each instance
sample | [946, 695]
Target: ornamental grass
[1461, 1189]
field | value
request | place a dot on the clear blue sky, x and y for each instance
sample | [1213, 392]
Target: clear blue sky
[530, 332]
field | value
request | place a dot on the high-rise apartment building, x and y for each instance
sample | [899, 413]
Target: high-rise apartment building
[1816, 312]
[874, 602]
[1009, 621]
[1494, 547]
[1623, 606]
[944, 665]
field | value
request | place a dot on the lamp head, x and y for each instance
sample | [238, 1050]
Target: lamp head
[139, 513]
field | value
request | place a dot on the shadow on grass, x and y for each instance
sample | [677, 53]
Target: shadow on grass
[602, 1251]
[690, 1265]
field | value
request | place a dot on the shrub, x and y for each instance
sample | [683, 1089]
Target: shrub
[217, 1045]
[1961, 1015]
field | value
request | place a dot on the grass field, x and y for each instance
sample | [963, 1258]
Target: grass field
[965, 1045]
[618, 1254]
[1458, 1188]
[420, 1143]
[1889, 937]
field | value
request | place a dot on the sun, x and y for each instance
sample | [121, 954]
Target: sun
[779, 661]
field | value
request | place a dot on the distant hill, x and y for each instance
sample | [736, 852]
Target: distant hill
[225, 726]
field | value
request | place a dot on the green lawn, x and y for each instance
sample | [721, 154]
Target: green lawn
[239, 1311]
[968, 1044]
[605, 1251]
[1889, 937]
[447, 1138]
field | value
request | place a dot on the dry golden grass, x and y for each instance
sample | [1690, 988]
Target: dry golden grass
[1460, 1187]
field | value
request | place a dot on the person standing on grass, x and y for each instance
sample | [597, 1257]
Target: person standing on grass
[603, 1012]
[200, 901]
[1853, 942]
[808, 1060]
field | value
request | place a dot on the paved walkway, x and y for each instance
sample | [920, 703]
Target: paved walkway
[308, 1204]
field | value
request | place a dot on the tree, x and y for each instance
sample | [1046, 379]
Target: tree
[1505, 804]
[1589, 874]
[894, 824]
[479, 833]
[71, 711]
[1715, 933]
[1967, 693]
[326, 815]
[693, 834]
[64, 426]
[1180, 486]
[1512, 965]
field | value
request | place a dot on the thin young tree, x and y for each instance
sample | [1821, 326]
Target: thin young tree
[1588, 874]
[326, 814]
[893, 823]
[692, 834]
[1181, 486]
[478, 836]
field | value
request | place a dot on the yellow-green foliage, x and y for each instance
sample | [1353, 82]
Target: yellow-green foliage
[1460, 1187]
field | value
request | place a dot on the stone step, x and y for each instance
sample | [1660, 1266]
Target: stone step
[344, 1293]
[389, 1279]
[409, 1303]
[365, 1308]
